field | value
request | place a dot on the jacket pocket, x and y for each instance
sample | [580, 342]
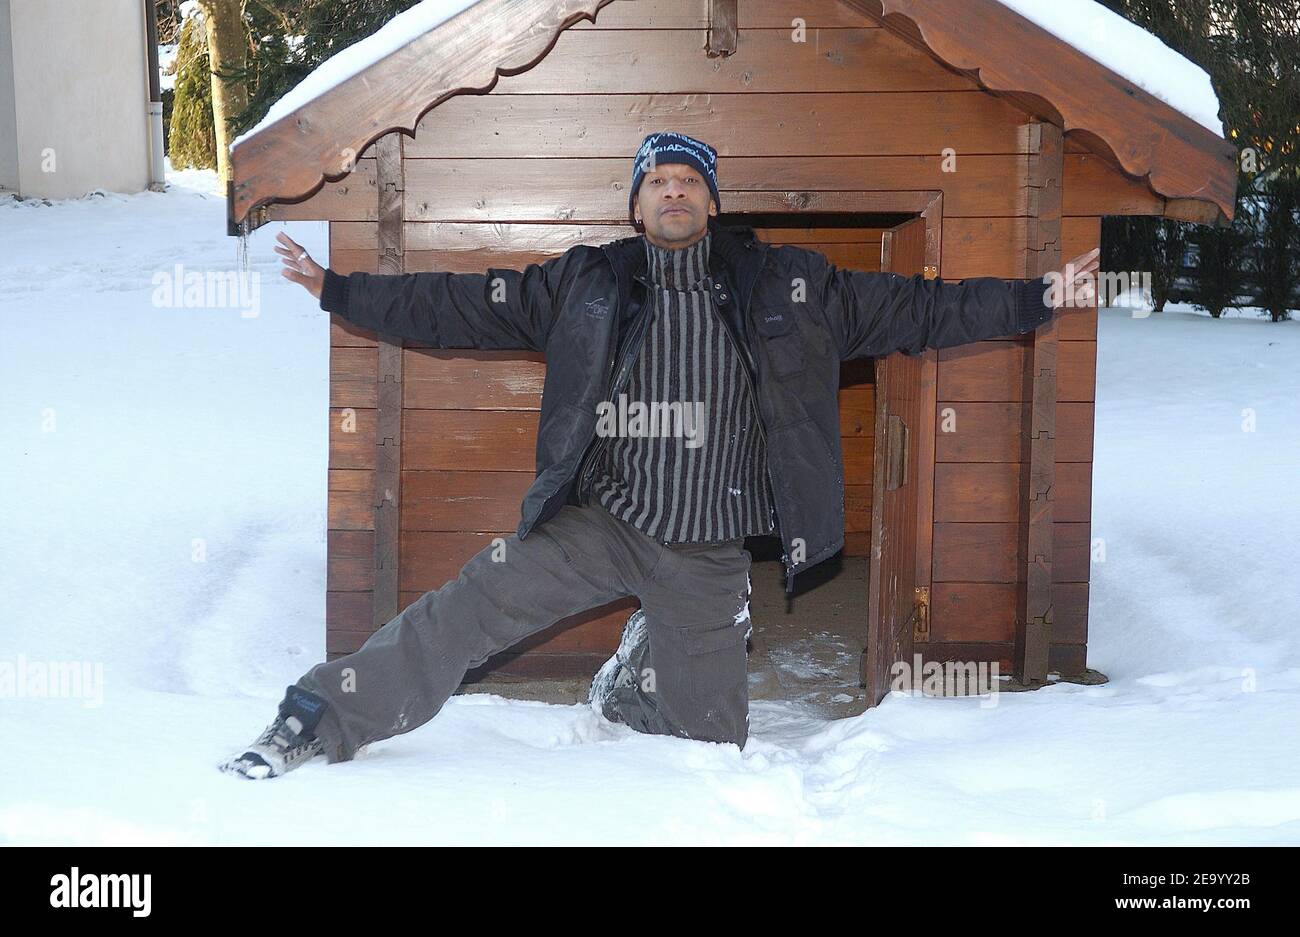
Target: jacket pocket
[782, 340]
[561, 432]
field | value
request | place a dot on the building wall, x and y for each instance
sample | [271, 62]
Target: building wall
[80, 96]
[8, 128]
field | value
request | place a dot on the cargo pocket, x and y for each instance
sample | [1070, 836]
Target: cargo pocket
[718, 666]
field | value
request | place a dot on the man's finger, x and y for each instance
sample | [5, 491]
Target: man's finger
[300, 264]
[293, 260]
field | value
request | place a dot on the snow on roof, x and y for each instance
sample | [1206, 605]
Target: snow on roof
[1125, 48]
[1129, 51]
[338, 68]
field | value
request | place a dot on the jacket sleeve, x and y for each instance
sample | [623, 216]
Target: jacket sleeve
[877, 313]
[499, 309]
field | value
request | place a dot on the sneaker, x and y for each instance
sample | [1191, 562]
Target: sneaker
[617, 671]
[288, 742]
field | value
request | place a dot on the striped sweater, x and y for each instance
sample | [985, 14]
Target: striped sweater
[700, 476]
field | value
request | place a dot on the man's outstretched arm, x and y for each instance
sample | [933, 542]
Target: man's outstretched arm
[499, 309]
[878, 313]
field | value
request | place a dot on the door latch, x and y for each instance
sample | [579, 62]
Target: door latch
[921, 620]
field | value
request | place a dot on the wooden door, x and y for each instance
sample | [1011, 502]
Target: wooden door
[891, 599]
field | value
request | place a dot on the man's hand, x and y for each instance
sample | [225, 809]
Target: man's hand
[1076, 279]
[298, 266]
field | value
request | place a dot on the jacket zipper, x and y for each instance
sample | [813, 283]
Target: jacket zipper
[634, 345]
[762, 431]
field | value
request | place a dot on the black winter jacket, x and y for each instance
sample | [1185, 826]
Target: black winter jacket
[793, 315]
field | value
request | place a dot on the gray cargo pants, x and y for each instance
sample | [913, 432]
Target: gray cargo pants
[691, 682]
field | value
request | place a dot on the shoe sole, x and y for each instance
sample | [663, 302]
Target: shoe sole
[246, 769]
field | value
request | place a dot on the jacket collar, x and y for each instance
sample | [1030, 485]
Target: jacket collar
[733, 249]
[683, 268]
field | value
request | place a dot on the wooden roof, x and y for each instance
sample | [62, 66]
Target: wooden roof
[1182, 161]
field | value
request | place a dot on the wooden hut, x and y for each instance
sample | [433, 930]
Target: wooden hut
[952, 138]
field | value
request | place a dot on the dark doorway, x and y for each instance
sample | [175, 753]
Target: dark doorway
[813, 646]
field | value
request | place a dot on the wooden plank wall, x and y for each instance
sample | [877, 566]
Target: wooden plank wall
[543, 163]
[977, 504]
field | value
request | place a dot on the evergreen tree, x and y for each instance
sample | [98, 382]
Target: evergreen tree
[1263, 47]
[1126, 242]
[192, 139]
[1275, 264]
[289, 38]
[1204, 31]
[1221, 255]
[1145, 243]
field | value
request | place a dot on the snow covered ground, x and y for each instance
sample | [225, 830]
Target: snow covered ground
[162, 489]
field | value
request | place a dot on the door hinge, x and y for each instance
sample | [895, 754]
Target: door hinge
[930, 271]
[921, 626]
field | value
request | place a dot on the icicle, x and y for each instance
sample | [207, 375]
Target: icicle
[242, 250]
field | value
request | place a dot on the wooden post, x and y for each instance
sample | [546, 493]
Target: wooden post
[388, 438]
[925, 438]
[1042, 190]
[723, 17]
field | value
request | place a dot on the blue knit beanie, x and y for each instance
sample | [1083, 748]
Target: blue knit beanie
[669, 147]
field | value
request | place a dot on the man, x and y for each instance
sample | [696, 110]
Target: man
[687, 318]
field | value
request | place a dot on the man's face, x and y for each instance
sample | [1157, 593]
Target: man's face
[674, 203]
